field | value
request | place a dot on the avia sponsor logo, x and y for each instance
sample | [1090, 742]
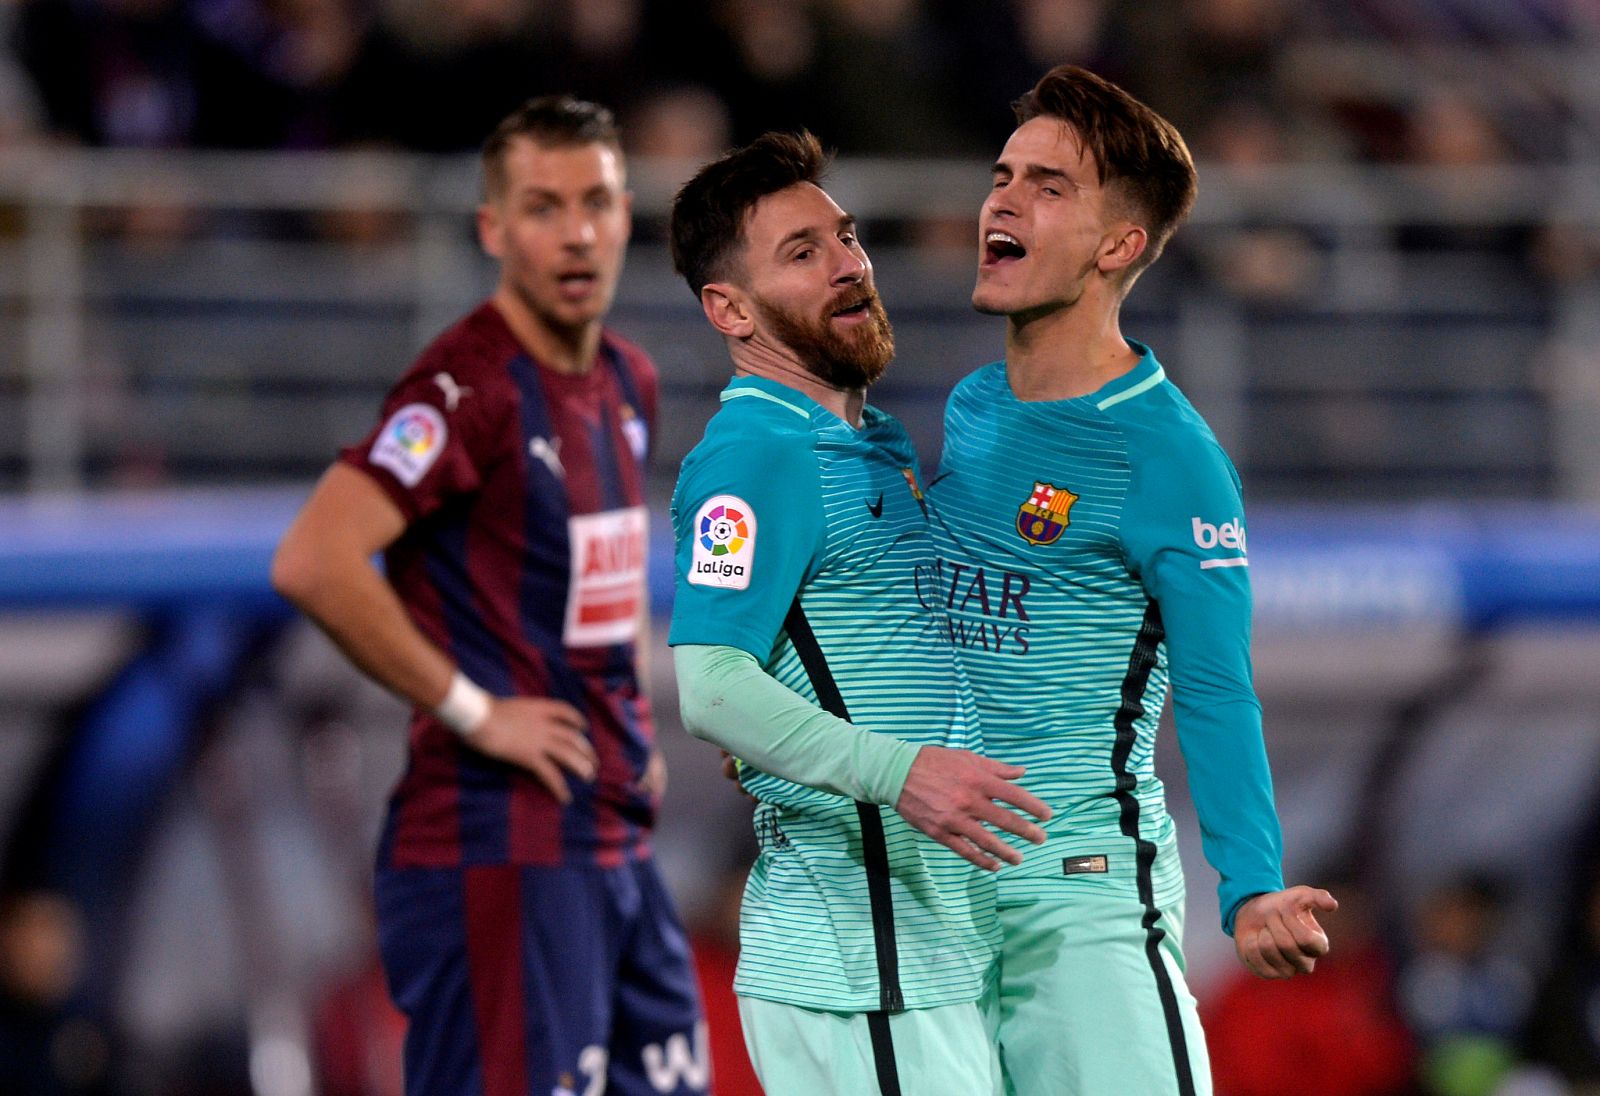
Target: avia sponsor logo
[618, 549]
[984, 609]
[606, 586]
[1230, 535]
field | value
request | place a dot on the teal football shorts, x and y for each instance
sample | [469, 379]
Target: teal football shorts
[948, 1050]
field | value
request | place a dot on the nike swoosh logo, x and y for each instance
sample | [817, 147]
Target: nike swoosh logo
[877, 507]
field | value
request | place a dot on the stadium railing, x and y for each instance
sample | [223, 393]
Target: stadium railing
[210, 318]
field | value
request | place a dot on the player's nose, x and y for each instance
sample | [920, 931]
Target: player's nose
[578, 231]
[1001, 202]
[850, 268]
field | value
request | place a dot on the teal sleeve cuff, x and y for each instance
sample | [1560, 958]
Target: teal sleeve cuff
[897, 767]
[727, 699]
[1231, 912]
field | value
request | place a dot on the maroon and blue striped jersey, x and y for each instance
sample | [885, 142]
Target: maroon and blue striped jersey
[524, 558]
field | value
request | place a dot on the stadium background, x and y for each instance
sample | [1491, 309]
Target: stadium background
[226, 225]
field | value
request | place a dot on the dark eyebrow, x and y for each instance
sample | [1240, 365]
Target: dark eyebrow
[1031, 171]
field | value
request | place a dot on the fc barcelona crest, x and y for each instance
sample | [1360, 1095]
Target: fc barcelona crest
[1044, 517]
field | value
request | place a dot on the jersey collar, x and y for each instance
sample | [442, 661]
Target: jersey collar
[1145, 375]
[764, 388]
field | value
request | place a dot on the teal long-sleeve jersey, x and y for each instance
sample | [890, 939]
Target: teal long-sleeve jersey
[1092, 552]
[798, 539]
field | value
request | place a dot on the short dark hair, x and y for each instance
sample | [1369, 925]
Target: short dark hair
[710, 210]
[554, 121]
[1141, 156]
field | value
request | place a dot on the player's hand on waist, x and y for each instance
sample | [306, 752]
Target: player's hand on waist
[1277, 934]
[544, 736]
[950, 795]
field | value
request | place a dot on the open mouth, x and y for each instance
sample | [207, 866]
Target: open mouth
[852, 307]
[999, 247]
[576, 283]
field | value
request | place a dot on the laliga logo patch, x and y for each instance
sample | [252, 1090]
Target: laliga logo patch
[410, 442]
[724, 544]
[1044, 517]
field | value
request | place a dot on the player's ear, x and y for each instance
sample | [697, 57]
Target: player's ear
[490, 236]
[1122, 247]
[728, 310]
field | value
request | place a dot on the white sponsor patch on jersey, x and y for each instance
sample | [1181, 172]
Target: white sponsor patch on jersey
[605, 590]
[1230, 535]
[410, 442]
[724, 543]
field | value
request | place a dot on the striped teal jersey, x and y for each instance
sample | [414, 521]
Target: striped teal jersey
[799, 540]
[1091, 551]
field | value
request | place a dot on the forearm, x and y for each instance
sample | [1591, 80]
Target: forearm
[1206, 615]
[1231, 786]
[325, 567]
[360, 612]
[727, 699]
[1201, 584]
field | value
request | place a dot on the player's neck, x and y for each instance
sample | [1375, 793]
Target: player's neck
[1066, 354]
[755, 357]
[563, 350]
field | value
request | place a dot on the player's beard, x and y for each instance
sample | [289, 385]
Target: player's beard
[849, 359]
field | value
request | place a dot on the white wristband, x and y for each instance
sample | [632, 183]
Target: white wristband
[465, 707]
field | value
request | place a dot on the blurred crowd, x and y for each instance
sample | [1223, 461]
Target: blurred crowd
[884, 77]
[1251, 83]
